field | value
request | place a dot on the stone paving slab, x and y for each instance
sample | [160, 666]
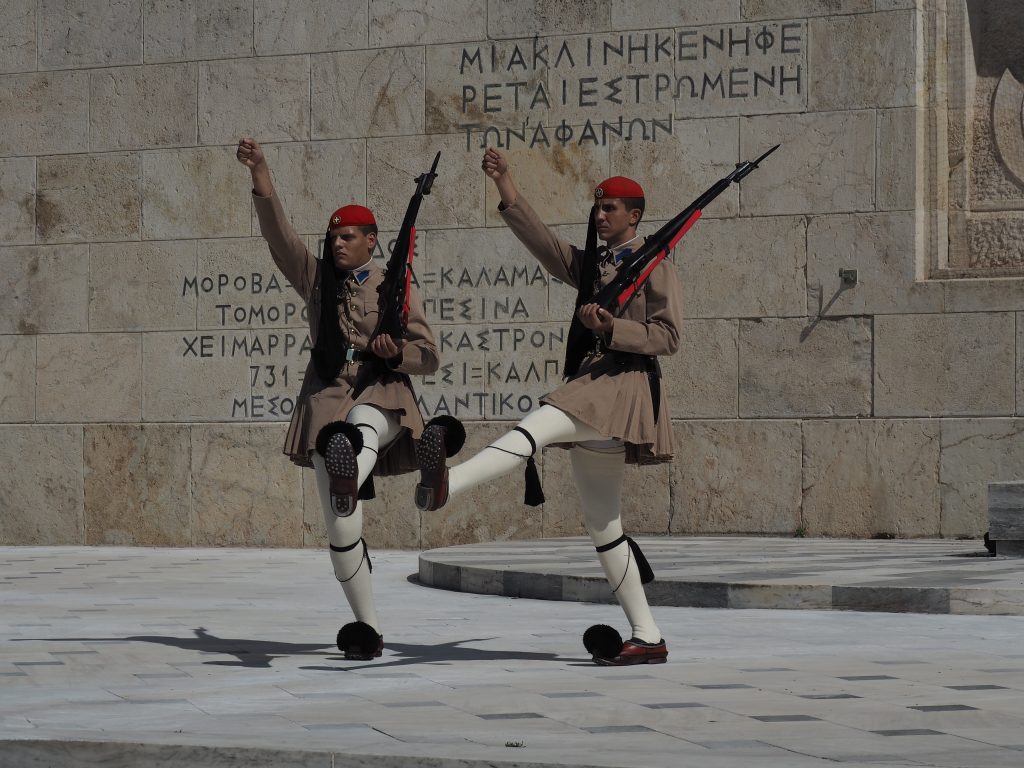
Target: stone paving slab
[212, 657]
[905, 576]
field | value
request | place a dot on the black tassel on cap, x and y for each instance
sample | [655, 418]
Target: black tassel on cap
[534, 492]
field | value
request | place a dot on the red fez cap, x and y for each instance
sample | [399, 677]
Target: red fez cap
[618, 186]
[351, 216]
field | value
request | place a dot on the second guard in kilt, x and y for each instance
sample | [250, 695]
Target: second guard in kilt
[611, 411]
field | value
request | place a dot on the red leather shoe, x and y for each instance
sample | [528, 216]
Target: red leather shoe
[636, 651]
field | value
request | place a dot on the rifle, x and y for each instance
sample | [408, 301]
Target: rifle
[640, 265]
[394, 289]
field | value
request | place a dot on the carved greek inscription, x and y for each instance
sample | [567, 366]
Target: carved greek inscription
[594, 89]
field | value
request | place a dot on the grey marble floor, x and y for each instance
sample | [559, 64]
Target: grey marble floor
[122, 650]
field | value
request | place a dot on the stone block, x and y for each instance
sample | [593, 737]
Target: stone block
[306, 26]
[944, 365]
[645, 498]
[17, 200]
[142, 286]
[740, 69]
[143, 107]
[500, 84]
[482, 276]
[793, 367]
[736, 477]
[42, 498]
[524, 18]
[18, 36]
[44, 113]
[190, 376]
[268, 98]
[88, 198]
[744, 268]
[1000, 294]
[675, 169]
[80, 33]
[863, 478]
[45, 289]
[238, 286]
[1020, 366]
[426, 22]
[490, 512]
[89, 377]
[17, 379]
[826, 163]
[245, 493]
[314, 179]
[392, 521]
[190, 193]
[558, 184]
[186, 30]
[788, 9]
[607, 76]
[974, 453]
[393, 163]
[137, 485]
[657, 14]
[864, 61]
[899, 137]
[1006, 512]
[368, 93]
[881, 247]
[701, 379]
[784, 596]
[493, 371]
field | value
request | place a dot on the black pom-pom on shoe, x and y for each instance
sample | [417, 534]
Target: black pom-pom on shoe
[603, 641]
[360, 642]
[351, 431]
[454, 433]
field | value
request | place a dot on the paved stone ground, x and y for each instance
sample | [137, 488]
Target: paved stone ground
[232, 650]
[917, 575]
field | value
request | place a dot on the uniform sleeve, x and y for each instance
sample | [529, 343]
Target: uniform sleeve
[419, 355]
[556, 255]
[287, 249]
[658, 334]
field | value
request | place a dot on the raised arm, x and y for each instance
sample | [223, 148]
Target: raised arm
[286, 247]
[556, 255]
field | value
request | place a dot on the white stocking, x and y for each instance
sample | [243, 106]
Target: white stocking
[350, 567]
[547, 425]
[598, 469]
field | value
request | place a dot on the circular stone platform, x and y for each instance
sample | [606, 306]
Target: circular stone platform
[904, 575]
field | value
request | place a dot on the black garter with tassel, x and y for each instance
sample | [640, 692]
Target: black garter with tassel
[646, 574]
[534, 492]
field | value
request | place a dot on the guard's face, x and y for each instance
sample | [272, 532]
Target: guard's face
[615, 224]
[350, 247]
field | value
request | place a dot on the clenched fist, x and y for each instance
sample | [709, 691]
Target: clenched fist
[494, 164]
[249, 153]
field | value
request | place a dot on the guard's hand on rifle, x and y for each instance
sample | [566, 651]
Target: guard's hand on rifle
[495, 164]
[249, 152]
[595, 318]
[384, 346]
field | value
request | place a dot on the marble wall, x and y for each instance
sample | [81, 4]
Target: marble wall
[150, 353]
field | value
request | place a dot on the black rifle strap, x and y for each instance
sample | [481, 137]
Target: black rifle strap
[580, 337]
[328, 352]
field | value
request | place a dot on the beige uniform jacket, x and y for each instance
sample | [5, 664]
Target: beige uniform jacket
[611, 396]
[321, 402]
